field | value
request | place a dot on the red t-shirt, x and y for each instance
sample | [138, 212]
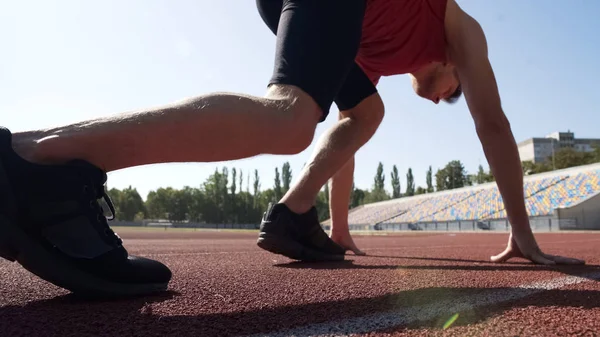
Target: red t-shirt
[400, 36]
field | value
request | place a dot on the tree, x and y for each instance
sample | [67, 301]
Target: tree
[256, 188]
[452, 176]
[286, 176]
[322, 205]
[482, 176]
[530, 167]
[378, 193]
[225, 209]
[128, 203]
[233, 181]
[379, 181]
[232, 197]
[569, 157]
[395, 183]
[277, 186]
[410, 183]
[420, 190]
[429, 180]
[356, 197]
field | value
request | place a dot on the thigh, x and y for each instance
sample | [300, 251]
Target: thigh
[317, 42]
[355, 89]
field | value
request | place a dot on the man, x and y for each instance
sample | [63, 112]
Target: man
[327, 51]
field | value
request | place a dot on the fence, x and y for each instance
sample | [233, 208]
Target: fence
[189, 225]
[538, 224]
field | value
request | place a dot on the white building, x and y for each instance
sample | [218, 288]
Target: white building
[539, 149]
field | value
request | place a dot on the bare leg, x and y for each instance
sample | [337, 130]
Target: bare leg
[213, 127]
[339, 195]
[335, 147]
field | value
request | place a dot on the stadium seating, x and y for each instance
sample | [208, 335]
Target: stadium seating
[542, 195]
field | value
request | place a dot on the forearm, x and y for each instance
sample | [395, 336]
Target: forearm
[339, 196]
[502, 154]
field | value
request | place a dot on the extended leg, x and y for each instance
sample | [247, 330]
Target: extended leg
[212, 127]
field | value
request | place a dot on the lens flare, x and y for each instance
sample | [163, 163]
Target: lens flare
[450, 321]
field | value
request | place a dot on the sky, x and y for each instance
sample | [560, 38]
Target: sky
[67, 61]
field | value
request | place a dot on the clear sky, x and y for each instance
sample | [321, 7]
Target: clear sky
[70, 60]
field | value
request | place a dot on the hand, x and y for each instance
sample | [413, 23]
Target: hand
[523, 245]
[345, 240]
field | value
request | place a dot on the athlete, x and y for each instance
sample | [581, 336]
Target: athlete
[52, 223]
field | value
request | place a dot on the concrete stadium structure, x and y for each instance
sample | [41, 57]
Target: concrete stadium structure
[560, 200]
[539, 149]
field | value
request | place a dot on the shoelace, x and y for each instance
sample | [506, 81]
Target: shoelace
[101, 195]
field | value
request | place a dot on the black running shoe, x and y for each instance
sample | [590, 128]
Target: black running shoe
[297, 236]
[52, 223]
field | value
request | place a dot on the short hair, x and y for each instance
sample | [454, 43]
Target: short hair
[455, 96]
[457, 93]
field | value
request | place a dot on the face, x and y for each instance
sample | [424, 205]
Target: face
[435, 82]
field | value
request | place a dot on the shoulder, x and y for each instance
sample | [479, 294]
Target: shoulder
[464, 34]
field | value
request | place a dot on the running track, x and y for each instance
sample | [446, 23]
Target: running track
[411, 284]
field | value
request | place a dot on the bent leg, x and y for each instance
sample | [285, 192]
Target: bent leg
[326, 37]
[363, 112]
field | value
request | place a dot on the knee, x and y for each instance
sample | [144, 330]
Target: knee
[296, 119]
[369, 113]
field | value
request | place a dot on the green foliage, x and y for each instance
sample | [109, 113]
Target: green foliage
[378, 193]
[396, 191]
[452, 176]
[379, 181]
[277, 188]
[222, 199]
[410, 183]
[429, 180]
[481, 177]
[286, 176]
[563, 158]
[128, 203]
[357, 197]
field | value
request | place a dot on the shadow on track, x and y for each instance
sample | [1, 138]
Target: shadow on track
[69, 315]
[573, 270]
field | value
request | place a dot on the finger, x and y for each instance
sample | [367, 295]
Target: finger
[506, 255]
[564, 260]
[359, 252]
[541, 259]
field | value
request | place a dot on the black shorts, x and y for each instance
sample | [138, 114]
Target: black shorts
[317, 43]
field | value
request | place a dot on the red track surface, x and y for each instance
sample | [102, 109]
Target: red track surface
[409, 285]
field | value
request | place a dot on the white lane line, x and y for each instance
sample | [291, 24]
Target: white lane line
[441, 309]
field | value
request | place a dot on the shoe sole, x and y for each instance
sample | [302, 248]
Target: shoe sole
[16, 246]
[51, 267]
[292, 249]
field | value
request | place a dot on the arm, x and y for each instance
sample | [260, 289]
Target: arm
[340, 191]
[468, 52]
[339, 194]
